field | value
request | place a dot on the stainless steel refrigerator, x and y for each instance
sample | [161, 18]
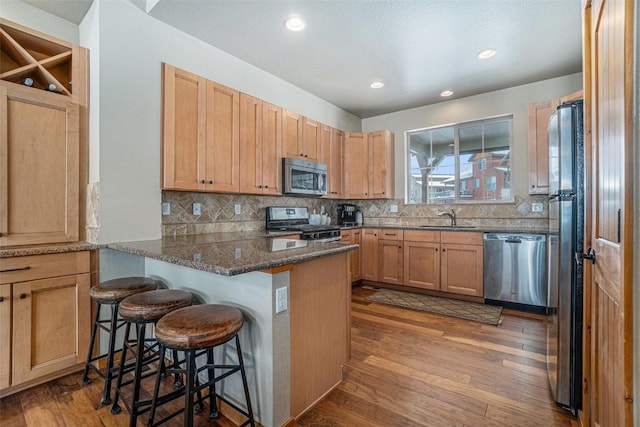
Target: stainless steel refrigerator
[566, 239]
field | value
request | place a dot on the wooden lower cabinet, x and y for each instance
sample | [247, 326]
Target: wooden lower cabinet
[461, 270]
[369, 254]
[355, 263]
[390, 257]
[49, 325]
[422, 265]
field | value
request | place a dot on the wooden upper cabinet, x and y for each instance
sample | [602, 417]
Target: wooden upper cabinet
[355, 168]
[260, 146]
[331, 141]
[201, 133]
[39, 160]
[183, 130]
[292, 134]
[381, 165]
[222, 164]
[539, 114]
[311, 139]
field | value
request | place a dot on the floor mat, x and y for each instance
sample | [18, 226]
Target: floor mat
[488, 314]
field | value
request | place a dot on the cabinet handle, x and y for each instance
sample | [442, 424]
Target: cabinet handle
[15, 269]
[266, 186]
[444, 250]
[202, 181]
[23, 296]
[210, 181]
[1, 234]
[259, 186]
[1, 299]
[436, 249]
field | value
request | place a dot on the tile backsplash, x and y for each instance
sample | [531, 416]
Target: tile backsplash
[218, 212]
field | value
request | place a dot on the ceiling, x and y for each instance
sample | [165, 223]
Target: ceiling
[418, 48]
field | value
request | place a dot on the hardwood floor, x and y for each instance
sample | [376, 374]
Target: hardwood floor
[408, 368]
[411, 368]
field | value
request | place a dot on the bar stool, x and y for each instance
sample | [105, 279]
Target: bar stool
[110, 293]
[196, 330]
[142, 310]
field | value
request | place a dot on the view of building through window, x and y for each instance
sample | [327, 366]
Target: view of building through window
[466, 162]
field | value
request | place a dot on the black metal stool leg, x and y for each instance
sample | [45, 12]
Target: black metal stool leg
[213, 404]
[156, 389]
[177, 377]
[85, 375]
[106, 393]
[140, 350]
[244, 382]
[115, 408]
[191, 384]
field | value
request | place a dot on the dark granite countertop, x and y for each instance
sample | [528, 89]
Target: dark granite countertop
[56, 248]
[232, 253]
[478, 228]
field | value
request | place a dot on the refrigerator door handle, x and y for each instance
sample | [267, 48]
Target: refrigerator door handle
[589, 256]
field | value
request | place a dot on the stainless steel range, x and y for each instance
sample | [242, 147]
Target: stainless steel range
[284, 218]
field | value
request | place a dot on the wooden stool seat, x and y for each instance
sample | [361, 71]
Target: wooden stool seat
[118, 289]
[150, 306]
[199, 326]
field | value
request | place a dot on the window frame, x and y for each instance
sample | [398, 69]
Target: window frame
[457, 179]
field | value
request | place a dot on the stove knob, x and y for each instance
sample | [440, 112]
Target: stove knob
[315, 235]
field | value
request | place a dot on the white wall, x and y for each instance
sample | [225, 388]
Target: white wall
[513, 100]
[34, 18]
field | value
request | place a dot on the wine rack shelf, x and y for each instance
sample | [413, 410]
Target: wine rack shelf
[36, 60]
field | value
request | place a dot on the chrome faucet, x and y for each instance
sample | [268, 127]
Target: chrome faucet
[451, 215]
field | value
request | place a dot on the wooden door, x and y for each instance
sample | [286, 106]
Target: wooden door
[311, 140]
[422, 265]
[356, 165]
[369, 254]
[184, 117]
[50, 325]
[609, 56]
[461, 269]
[250, 144]
[390, 261]
[381, 165]
[5, 335]
[292, 134]
[39, 167]
[538, 140]
[223, 138]
[271, 149]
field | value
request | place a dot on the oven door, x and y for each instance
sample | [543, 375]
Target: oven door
[303, 178]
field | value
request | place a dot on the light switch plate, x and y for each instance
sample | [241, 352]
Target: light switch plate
[166, 208]
[237, 209]
[197, 209]
[282, 303]
[536, 207]
[393, 208]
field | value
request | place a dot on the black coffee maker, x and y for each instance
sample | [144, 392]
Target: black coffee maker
[347, 214]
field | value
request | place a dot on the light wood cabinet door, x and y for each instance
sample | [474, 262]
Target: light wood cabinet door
[260, 142]
[311, 140]
[335, 164]
[381, 165]
[356, 261]
[356, 168]
[538, 141]
[292, 124]
[222, 138]
[390, 261]
[271, 149]
[5, 335]
[51, 319]
[461, 269]
[39, 167]
[422, 265]
[184, 118]
[369, 254]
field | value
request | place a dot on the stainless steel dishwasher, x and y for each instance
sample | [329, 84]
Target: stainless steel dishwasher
[515, 268]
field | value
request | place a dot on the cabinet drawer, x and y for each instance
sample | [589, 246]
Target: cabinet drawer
[422, 236]
[21, 269]
[390, 235]
[462, 237]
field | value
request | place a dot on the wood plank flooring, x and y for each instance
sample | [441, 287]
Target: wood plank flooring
[408, 368]
[411, 368]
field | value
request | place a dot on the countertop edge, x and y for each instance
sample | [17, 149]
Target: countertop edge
[49, 249]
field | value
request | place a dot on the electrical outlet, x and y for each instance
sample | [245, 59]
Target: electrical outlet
[536, 207]
[237, 209]
[197, 209]
[393, 208]
[238, 254]
[166, 208]
[281, 300]
[197, 257]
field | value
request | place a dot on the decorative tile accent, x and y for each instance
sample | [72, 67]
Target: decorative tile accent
[218, 213]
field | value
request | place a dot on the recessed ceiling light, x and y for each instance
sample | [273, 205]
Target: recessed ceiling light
[487, 53]
[376, 85]
[294, 23]
[446, 93]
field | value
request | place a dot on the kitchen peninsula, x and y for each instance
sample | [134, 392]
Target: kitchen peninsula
[293, 356]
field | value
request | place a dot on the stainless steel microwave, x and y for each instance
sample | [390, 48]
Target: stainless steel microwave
[303, 178]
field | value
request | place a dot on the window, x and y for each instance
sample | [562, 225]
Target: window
[448, 164]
